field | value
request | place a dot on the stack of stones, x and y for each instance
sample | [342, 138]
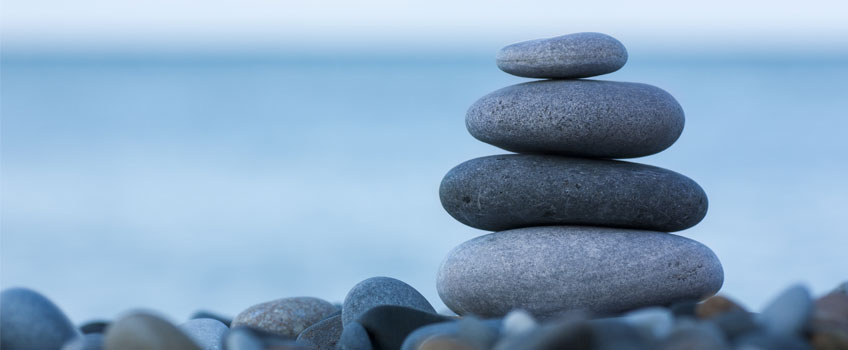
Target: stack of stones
[576, 230]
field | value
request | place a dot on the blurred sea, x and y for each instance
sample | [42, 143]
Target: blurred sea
[180, 182]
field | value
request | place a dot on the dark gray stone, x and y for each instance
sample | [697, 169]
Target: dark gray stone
[215, 316]
[583, 118]
[354, 337]
[208, 333]
[612, 334]
[88, 341]
[518, 190]
[28, 320]
[695, 336]
[788, 313]
[286, 317]
[389, 325]
[377, 291]
[735, 323]
[481, 333]
[98, 326]
[577, 55]
[552, 269]
[323, 335]
[140, 330]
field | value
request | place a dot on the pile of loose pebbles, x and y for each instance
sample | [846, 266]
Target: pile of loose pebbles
[385, 313]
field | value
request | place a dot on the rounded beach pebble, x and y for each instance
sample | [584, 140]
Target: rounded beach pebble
[140, 330]
[519, 190]
[323, 335]
[585, 118]
[378, 291]
[208, 333]
[554, 269]
[578, 55]
[286, 317]
[28, 320]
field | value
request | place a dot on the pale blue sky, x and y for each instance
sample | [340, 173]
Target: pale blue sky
[729, 23]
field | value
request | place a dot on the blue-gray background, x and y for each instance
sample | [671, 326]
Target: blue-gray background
[180, 181]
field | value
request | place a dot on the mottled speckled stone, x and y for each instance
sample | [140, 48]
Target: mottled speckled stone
[140, 331]
[286, 317]
[28, 320]
[553, 269]
[577, 55]
[208, 333]
[378, 291]
[323, 335]
[519, 190]
[584, 118]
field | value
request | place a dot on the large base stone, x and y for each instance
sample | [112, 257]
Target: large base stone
[553, 269]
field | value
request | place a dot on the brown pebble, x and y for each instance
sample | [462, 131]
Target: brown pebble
[286, 317]
[714, 306]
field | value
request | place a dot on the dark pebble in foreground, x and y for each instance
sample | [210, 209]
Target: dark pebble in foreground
[389, 325]
[28, 320]
[323, 335]
[582, 118]
[215, 316]
[354, 337]
[518, 190]
[94, 327]
[553, 269]
[378, 291]
[141, 330]
[577, 55]
[476, 333]
[286, 317]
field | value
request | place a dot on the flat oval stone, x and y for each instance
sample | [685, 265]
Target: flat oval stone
[585, 118]
[377, 291]
[577, 55]
[28, 320]
[286, 317]
[519, 190]
[550, 270]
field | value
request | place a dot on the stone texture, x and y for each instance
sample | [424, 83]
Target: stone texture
[552, 269]
[323, 335]
[140, 331]
[584, 118]
[577, 55]
[28, 320]
[377, 291]
[286, 317]
[389, 325]
[354, 337]
[208, 333]
[518, 190]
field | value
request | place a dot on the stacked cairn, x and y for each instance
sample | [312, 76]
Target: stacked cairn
[576, 230]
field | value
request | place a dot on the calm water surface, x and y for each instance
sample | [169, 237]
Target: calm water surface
[185, 182]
